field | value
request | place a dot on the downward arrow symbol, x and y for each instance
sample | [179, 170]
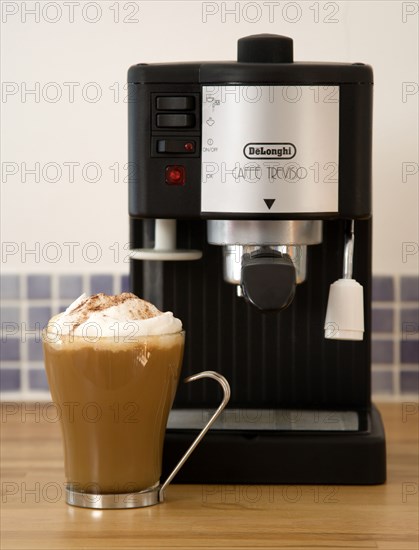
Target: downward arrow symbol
[269, 202]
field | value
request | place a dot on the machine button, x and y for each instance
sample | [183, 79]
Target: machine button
[178, 120]
[175, 175]
[168, 103]
[176, 146]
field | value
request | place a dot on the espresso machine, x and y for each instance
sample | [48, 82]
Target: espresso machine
[250, 219]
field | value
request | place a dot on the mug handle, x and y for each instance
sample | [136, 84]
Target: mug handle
[227, 392]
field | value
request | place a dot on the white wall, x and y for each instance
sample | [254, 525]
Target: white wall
[75, 49]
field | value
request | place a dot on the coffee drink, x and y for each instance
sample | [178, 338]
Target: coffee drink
[113, 365]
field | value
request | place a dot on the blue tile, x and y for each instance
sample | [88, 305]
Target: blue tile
[9, 314]
[409, 382]
[101, 283]
[409, 321]
[10, 349]
[409, 315]
[35, 350]
[10, 287]
[70, 286]
[382, 320]
[38, 380]
[382, 289]
[410, 289]
[382, 351]
[409, 351]
[125, 284]
[39, 286]
[9, 379]
[382, 382]
[38, 317]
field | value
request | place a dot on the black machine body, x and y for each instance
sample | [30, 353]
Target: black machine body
[248, 183]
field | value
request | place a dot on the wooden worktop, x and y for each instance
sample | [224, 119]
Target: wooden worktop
[35, 516]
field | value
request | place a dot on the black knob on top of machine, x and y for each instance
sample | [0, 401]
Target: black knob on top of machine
[268, 279]
[265, 48]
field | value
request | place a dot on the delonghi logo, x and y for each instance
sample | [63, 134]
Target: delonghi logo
[269, 150]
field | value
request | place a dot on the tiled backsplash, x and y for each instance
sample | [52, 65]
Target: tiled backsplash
[28, 302]
[395, 336]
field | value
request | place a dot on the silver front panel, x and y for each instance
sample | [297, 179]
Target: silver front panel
[265, 419]
[270, 149]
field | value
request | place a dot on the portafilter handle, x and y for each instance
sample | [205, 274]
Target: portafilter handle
[268, 279]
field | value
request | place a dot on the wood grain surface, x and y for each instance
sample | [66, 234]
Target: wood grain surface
[35, 516]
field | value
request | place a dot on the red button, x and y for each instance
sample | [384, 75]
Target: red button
[175, 175]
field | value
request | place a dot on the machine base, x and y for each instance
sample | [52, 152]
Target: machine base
[266, 457]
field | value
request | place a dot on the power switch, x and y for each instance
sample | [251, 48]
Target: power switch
[177, 103]
[176, 146]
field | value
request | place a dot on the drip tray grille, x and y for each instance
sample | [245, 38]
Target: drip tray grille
[266, 419]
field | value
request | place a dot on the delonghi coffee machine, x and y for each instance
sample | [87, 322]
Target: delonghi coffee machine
[249, 183]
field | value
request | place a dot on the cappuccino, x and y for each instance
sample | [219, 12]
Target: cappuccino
[113, 364]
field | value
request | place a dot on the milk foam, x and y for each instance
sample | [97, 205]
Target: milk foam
[122, 316]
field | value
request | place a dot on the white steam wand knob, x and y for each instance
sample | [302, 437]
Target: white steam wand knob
[345, 307]
[345, 311]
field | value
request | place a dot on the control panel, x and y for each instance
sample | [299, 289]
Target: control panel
[175, 125]
[165, 150]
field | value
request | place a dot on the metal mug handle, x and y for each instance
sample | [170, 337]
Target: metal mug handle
[227, 392]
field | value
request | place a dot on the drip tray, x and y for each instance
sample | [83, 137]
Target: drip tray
[266, 419]
[279, 446]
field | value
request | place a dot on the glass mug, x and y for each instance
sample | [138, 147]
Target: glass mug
[114, 398]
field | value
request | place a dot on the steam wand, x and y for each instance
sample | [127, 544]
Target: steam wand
[345, 307]
[348, 251]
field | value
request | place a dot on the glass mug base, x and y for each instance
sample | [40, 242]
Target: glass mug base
[98, 501]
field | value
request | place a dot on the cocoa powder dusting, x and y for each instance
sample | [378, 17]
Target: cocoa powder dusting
[140, 309]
